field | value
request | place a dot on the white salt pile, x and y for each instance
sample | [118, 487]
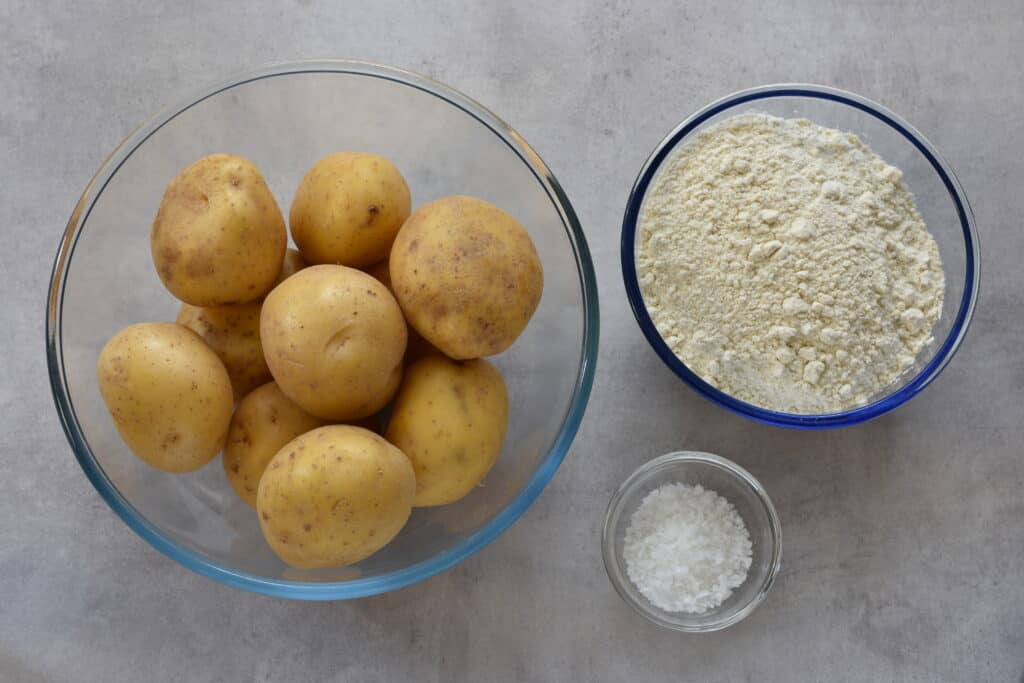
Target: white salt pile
[686, 548]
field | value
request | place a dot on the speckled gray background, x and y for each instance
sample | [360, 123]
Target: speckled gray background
[904, 537]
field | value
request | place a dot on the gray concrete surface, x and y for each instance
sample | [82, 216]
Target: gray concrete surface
[904, 537]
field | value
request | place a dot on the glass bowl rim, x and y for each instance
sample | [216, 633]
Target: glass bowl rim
[943, 354]
[328, 590]
[618, 575]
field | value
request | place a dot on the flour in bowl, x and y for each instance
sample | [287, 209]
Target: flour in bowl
[787, 264]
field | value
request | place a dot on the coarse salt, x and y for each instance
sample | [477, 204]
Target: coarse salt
[686, 548]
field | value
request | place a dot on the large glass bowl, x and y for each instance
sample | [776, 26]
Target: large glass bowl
[939, 197]
[284, 118]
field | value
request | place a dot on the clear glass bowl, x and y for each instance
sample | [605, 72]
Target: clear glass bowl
[939, 197]
[734, 484]
[284, 118]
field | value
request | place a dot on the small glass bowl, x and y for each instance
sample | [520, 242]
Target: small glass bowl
[734, 484]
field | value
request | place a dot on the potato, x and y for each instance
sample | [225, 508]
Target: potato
[168, 393]
[264, 422]
[348, 209]
[218, 237]
[466, 275]
[334, 338]
[417, 347]
[450, 419]
[233, 332]
[334, 496]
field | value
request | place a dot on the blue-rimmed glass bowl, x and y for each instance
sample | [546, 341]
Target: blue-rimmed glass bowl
[939, 198]
[284, 118]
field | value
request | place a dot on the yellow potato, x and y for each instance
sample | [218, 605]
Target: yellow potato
[334, 496]
[233, 332]
[467, 276]
[450, 419]
[348, 209]
[264, 422]
[168, 393]
[219, 236]
[334, 338]
[417, 347]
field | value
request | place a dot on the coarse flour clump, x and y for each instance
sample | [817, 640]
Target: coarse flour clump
[786, 264]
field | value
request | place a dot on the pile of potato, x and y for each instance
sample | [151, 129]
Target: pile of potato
[355, 361]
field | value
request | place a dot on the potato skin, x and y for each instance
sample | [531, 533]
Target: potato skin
[168, 393]
[219, 237]
[450, 419]
[233, 332]
[348, 209]
[263, 423]
[334, 496]
[334, 339]
[467, 276]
